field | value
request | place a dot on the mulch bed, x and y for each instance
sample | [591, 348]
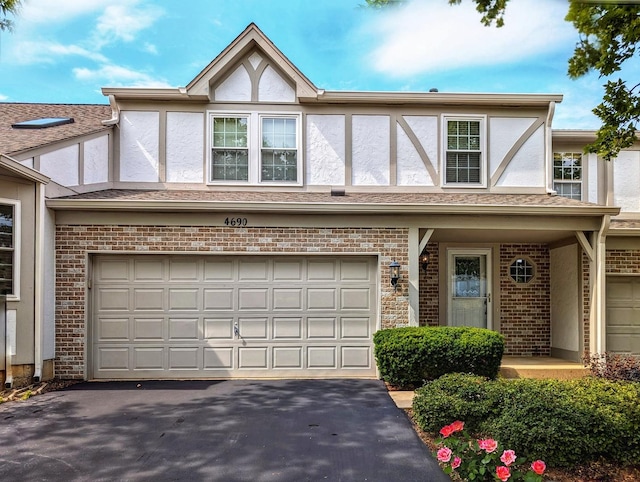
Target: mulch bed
[24, 393]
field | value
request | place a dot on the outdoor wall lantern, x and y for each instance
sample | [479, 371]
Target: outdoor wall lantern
[394, 272]
[425, 258]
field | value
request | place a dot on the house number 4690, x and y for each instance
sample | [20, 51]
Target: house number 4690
[237, 222]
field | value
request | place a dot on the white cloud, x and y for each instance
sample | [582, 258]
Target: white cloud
[150, 48]
[55, 11]
[115, 75]
[433, 36]
[3, 97]
[31, 52]
[124, 22]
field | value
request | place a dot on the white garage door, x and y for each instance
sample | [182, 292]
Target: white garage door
[623, 314]
[233, 316]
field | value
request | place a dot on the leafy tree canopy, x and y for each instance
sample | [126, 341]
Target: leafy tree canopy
[609, 35]
[7, 7]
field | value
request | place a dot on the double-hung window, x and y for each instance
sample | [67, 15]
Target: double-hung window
[464, 156]
[567, 174]
[254, 148]
[9, 213]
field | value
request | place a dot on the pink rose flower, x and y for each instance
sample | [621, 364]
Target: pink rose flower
[503, 473]
[508, 457]
[457, 426]
[444, 454]
[538, 467]
[446, 431]
[488, 445]
[456, 462]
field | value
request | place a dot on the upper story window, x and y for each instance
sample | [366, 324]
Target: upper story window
[567, 174]
[254, 148]
[464, 157]
[8, 247]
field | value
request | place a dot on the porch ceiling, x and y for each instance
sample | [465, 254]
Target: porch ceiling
[500, 236]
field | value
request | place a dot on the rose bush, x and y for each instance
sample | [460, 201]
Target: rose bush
[465, 458]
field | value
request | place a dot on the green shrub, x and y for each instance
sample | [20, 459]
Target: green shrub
[562, 422]
[409, 356]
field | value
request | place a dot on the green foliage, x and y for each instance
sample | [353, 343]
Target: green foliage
[409, 356]
[8, 7]
[563, 422]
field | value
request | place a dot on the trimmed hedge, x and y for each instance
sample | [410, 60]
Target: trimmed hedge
[409, 356]
[563, 422]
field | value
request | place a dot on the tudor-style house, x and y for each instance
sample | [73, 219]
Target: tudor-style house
[251, 224]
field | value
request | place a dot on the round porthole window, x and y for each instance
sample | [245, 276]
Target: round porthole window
[521, 270]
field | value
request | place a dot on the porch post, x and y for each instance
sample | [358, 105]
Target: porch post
[600, 285]
[414, 277]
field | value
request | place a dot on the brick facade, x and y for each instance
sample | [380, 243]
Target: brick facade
[74, 243]
[525, 308]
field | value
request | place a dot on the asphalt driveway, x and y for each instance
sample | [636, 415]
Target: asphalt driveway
[275, 430]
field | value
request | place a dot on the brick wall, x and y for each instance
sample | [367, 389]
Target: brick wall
[73, 242]
[429, 289]
[525, 308]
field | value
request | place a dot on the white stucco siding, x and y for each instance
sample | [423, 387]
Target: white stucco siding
[185, 147]
[626, 179]
[527, 168]
[411, 168]
[236, 87]
[325, 150]
[504, 133]
[28, 163]
[273, 88]
[371, 150]
[425, 129]
[565, 308]
[96, 160]
[139, 144]
[61, 165]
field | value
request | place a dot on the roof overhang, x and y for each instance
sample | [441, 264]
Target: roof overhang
[21, 171]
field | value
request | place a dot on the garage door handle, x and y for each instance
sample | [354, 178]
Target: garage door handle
[236, 330]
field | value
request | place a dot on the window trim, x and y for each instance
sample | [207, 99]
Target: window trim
[582, 182]
[17, 229]
[530, 263]
[482, 119]
[254, 143]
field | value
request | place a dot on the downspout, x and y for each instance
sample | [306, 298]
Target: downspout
[39, 283]
[8, 377]
[548, 148]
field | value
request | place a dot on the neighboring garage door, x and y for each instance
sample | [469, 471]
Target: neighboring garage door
[623, 314]
[185, 316]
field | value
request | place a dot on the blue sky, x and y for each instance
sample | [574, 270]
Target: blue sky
[65, 51]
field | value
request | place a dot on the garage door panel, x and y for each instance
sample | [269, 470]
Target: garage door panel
[355, 328]
[321, 328]
[253, 298]
[287, 270]
[355, 299]
[113, 299]
[219, 270]
[287, 357]
[255, 328]
[148, 299]
[356, 357]
[254, 357]
[623, 314]
[287, 298]
[149, 269]
[163, 316]
[183, 328]
[218, 358]
[322, 299]
[287, 328]
[253, 270]
[184, 358]
[112, 329]
[148, 329]
[322, 357]
[183, 270]
[218, 299]
[218, 328]
[183, 299]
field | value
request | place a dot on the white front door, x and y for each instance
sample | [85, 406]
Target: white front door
[469, 275]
